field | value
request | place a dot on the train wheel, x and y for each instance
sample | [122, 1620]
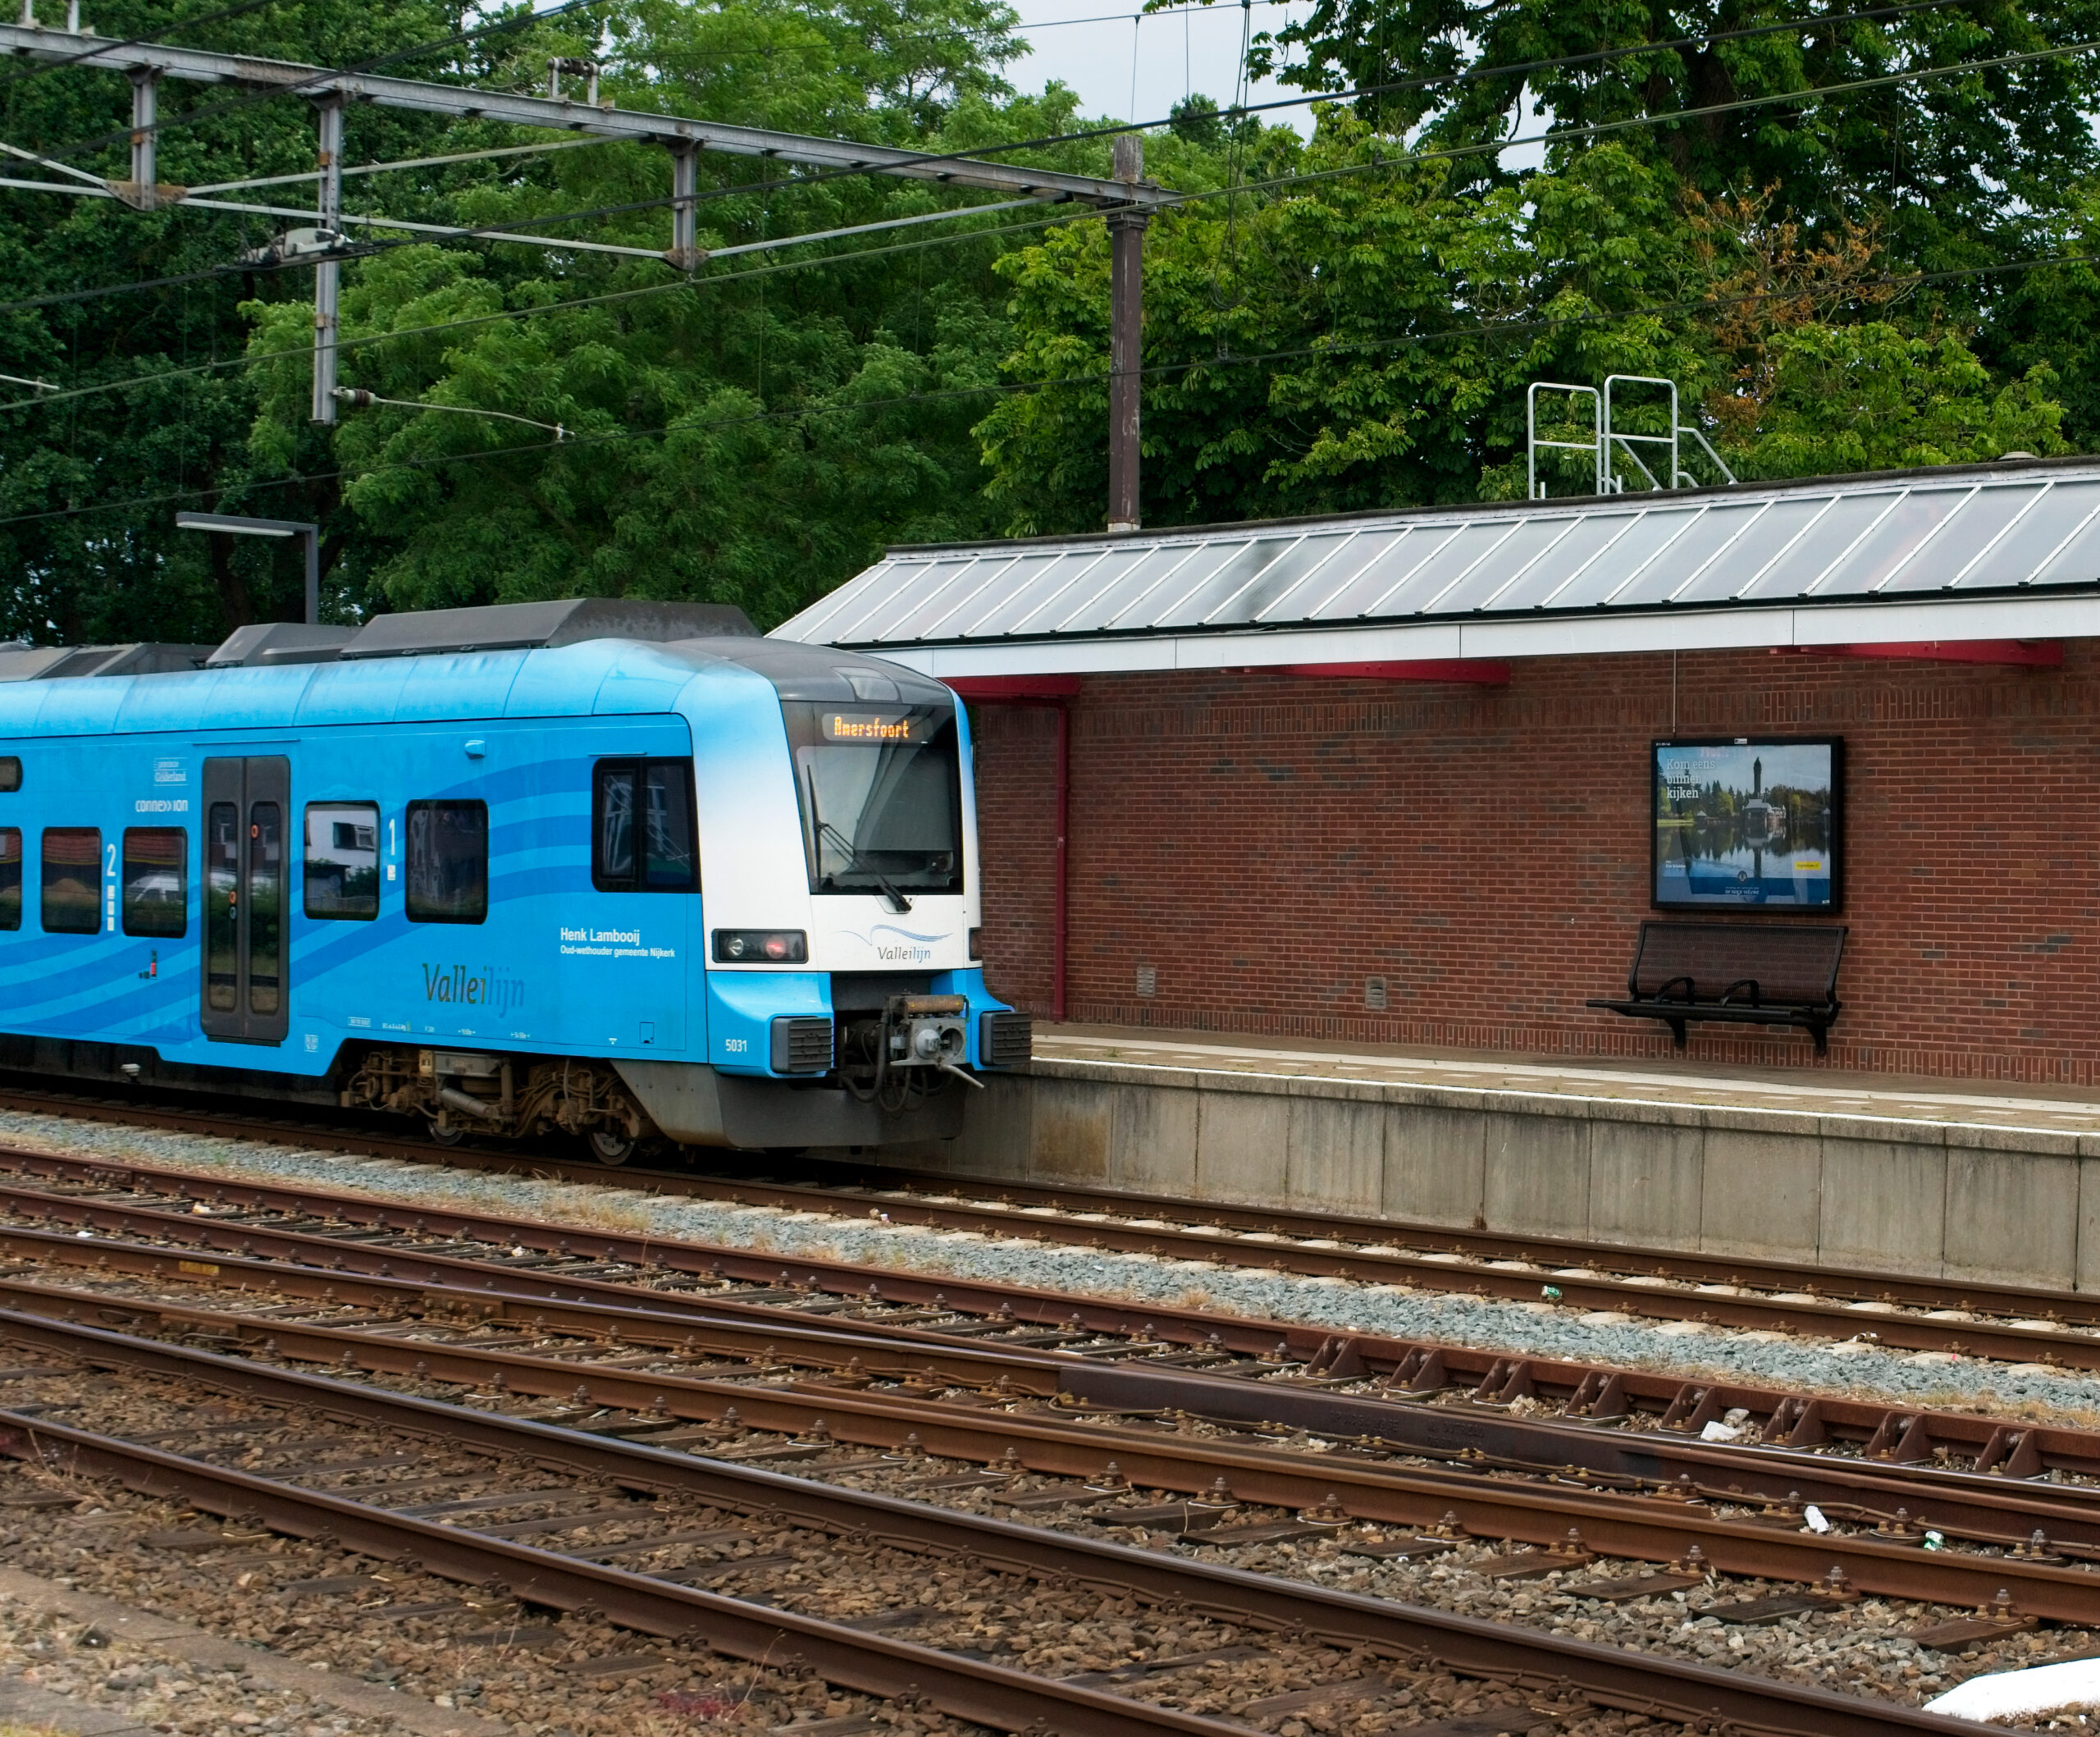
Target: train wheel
[445, 1136]
[609, 1146]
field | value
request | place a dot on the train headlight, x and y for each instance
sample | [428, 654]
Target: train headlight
[761, 947]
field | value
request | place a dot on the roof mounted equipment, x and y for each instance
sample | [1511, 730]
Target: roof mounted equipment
[1608, 445]
[271, 644]
[565, 621]
[51, 663]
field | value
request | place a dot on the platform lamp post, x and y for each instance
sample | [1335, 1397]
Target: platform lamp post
[239, 526]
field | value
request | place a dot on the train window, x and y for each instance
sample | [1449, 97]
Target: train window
[448, 862]
[342, 859]
[221, 906]
[157, 882]
[881, 793]
[10, 772]
[72, 880]
[266, 906]
[641, 834]
[10, 877]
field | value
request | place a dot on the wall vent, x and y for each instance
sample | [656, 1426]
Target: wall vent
[1148, 981]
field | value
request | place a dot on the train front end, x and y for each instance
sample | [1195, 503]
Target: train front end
[845, 1000]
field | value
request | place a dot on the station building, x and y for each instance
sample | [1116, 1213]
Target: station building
[1395, 788]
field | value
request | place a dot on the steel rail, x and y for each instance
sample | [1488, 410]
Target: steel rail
[780, 1340]
[1607, 1676]
[1968, 1504]
[1202, 1221]
[987, 1693]
[1786, 1417]
[1638, 1527]
[1229, 1226]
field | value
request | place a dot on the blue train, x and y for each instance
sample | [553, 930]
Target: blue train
[616, 869]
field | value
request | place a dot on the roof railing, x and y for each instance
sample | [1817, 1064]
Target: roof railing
[1609, 446]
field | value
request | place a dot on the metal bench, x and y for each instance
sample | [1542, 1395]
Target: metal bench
[1752, 974]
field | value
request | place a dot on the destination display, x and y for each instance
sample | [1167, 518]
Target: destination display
[873, 726]
[1744, 821]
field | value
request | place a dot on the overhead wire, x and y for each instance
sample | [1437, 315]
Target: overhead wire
[1550, 136]
[1081, 135]
[1386, 87]
[604, 298]
[1098, 378]
[1423, 81]
[1022, 26]
[364, 250]
[1376, 163]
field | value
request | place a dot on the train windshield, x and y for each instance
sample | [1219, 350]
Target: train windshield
[881, 793]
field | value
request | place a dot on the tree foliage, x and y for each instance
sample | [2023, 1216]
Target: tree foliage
[1341, 320]
[1359, 326]
[752, 432]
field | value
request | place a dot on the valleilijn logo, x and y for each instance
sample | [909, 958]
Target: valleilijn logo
[908, 949]
[456, 986]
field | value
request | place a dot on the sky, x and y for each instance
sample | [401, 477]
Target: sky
[1138, 71]
[1171, 55]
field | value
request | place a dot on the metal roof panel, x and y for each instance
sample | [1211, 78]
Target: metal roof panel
[1818, 542]
[1366, 570]
[2029, 545]
[1987, 514]
[1590, 538]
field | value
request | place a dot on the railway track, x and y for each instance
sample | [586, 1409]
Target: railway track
[1216, 1442]
[1557, 1468]
[347, 1232]
[2011, 1323]
[709, 1551]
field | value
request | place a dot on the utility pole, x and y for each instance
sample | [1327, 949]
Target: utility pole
[1126, 309]
[684, 251]
[143, 193]
[327, 269]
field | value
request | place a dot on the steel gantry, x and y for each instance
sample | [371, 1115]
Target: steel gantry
[1127, 200]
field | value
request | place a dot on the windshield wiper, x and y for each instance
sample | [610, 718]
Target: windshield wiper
[898, 901]
[822, 827]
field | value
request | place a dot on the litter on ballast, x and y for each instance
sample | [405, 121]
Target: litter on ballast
[2008, 1694]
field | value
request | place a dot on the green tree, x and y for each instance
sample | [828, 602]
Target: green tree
[1363, 334]
[752, 434]
[1867, 397]
[117, 570]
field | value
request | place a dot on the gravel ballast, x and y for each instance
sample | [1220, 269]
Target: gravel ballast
[1542, 1329]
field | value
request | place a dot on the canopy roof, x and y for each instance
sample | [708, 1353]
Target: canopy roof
[2010, 549]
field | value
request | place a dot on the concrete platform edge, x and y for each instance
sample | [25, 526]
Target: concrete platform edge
[1922, 1196]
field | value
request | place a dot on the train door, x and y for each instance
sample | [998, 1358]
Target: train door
[247, 937]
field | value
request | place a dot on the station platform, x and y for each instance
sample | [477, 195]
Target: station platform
[1920, 1177]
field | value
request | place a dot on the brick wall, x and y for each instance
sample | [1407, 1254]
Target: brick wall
[1266, 844]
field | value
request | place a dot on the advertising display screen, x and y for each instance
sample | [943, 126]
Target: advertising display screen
[1747, 822]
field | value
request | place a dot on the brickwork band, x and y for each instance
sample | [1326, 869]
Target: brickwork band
[1257, 850]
